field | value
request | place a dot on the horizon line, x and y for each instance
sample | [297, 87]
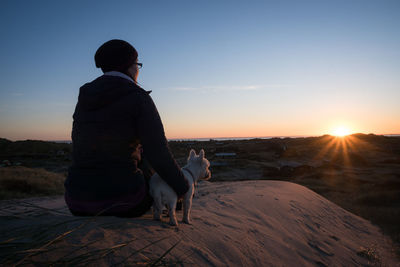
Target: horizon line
[216, 138]
[252, 137]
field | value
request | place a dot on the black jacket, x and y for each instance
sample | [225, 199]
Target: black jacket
[111, 117]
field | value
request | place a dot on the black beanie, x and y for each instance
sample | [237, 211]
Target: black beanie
[116, 55]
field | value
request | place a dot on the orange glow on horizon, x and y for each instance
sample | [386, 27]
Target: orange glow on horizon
[341, 131]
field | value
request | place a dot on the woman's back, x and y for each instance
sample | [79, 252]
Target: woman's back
[104, 138]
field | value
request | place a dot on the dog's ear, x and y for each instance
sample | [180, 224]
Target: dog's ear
[201, 154]
[192, 154]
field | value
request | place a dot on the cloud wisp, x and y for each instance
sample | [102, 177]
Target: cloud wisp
[224, 88]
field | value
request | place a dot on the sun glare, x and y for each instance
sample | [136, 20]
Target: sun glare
[341, 131]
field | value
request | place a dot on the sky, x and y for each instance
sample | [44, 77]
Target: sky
[216, 68]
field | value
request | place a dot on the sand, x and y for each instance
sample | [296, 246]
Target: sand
[249, 223]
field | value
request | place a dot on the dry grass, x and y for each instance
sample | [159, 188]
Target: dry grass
[21, 182]
[53, 242]
[371, 254]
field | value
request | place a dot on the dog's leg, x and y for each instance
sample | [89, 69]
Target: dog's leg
[187, 206]
[157, 209]
[172, 212]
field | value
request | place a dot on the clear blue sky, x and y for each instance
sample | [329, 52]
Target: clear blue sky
[216, 68]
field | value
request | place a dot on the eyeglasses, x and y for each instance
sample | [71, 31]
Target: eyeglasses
[139, 65]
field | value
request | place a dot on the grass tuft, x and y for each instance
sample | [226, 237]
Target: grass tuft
[370, 253]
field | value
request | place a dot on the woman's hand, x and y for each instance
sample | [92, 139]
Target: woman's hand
[137, 153]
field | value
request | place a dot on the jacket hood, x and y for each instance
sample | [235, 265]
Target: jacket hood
[104, 91]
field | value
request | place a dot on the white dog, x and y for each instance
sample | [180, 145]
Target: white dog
[195, 169]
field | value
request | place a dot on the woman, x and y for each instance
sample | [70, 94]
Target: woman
[114, 121]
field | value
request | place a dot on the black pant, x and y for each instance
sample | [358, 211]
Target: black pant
[147, 202]
[139, 209]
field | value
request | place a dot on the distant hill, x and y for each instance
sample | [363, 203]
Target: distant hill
[379, 142]
[31, 147]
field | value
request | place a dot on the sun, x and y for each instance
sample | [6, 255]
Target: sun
[341, 131]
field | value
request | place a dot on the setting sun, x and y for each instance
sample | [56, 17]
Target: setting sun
[341, 131]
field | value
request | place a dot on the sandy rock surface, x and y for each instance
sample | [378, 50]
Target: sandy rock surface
[251, 223]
